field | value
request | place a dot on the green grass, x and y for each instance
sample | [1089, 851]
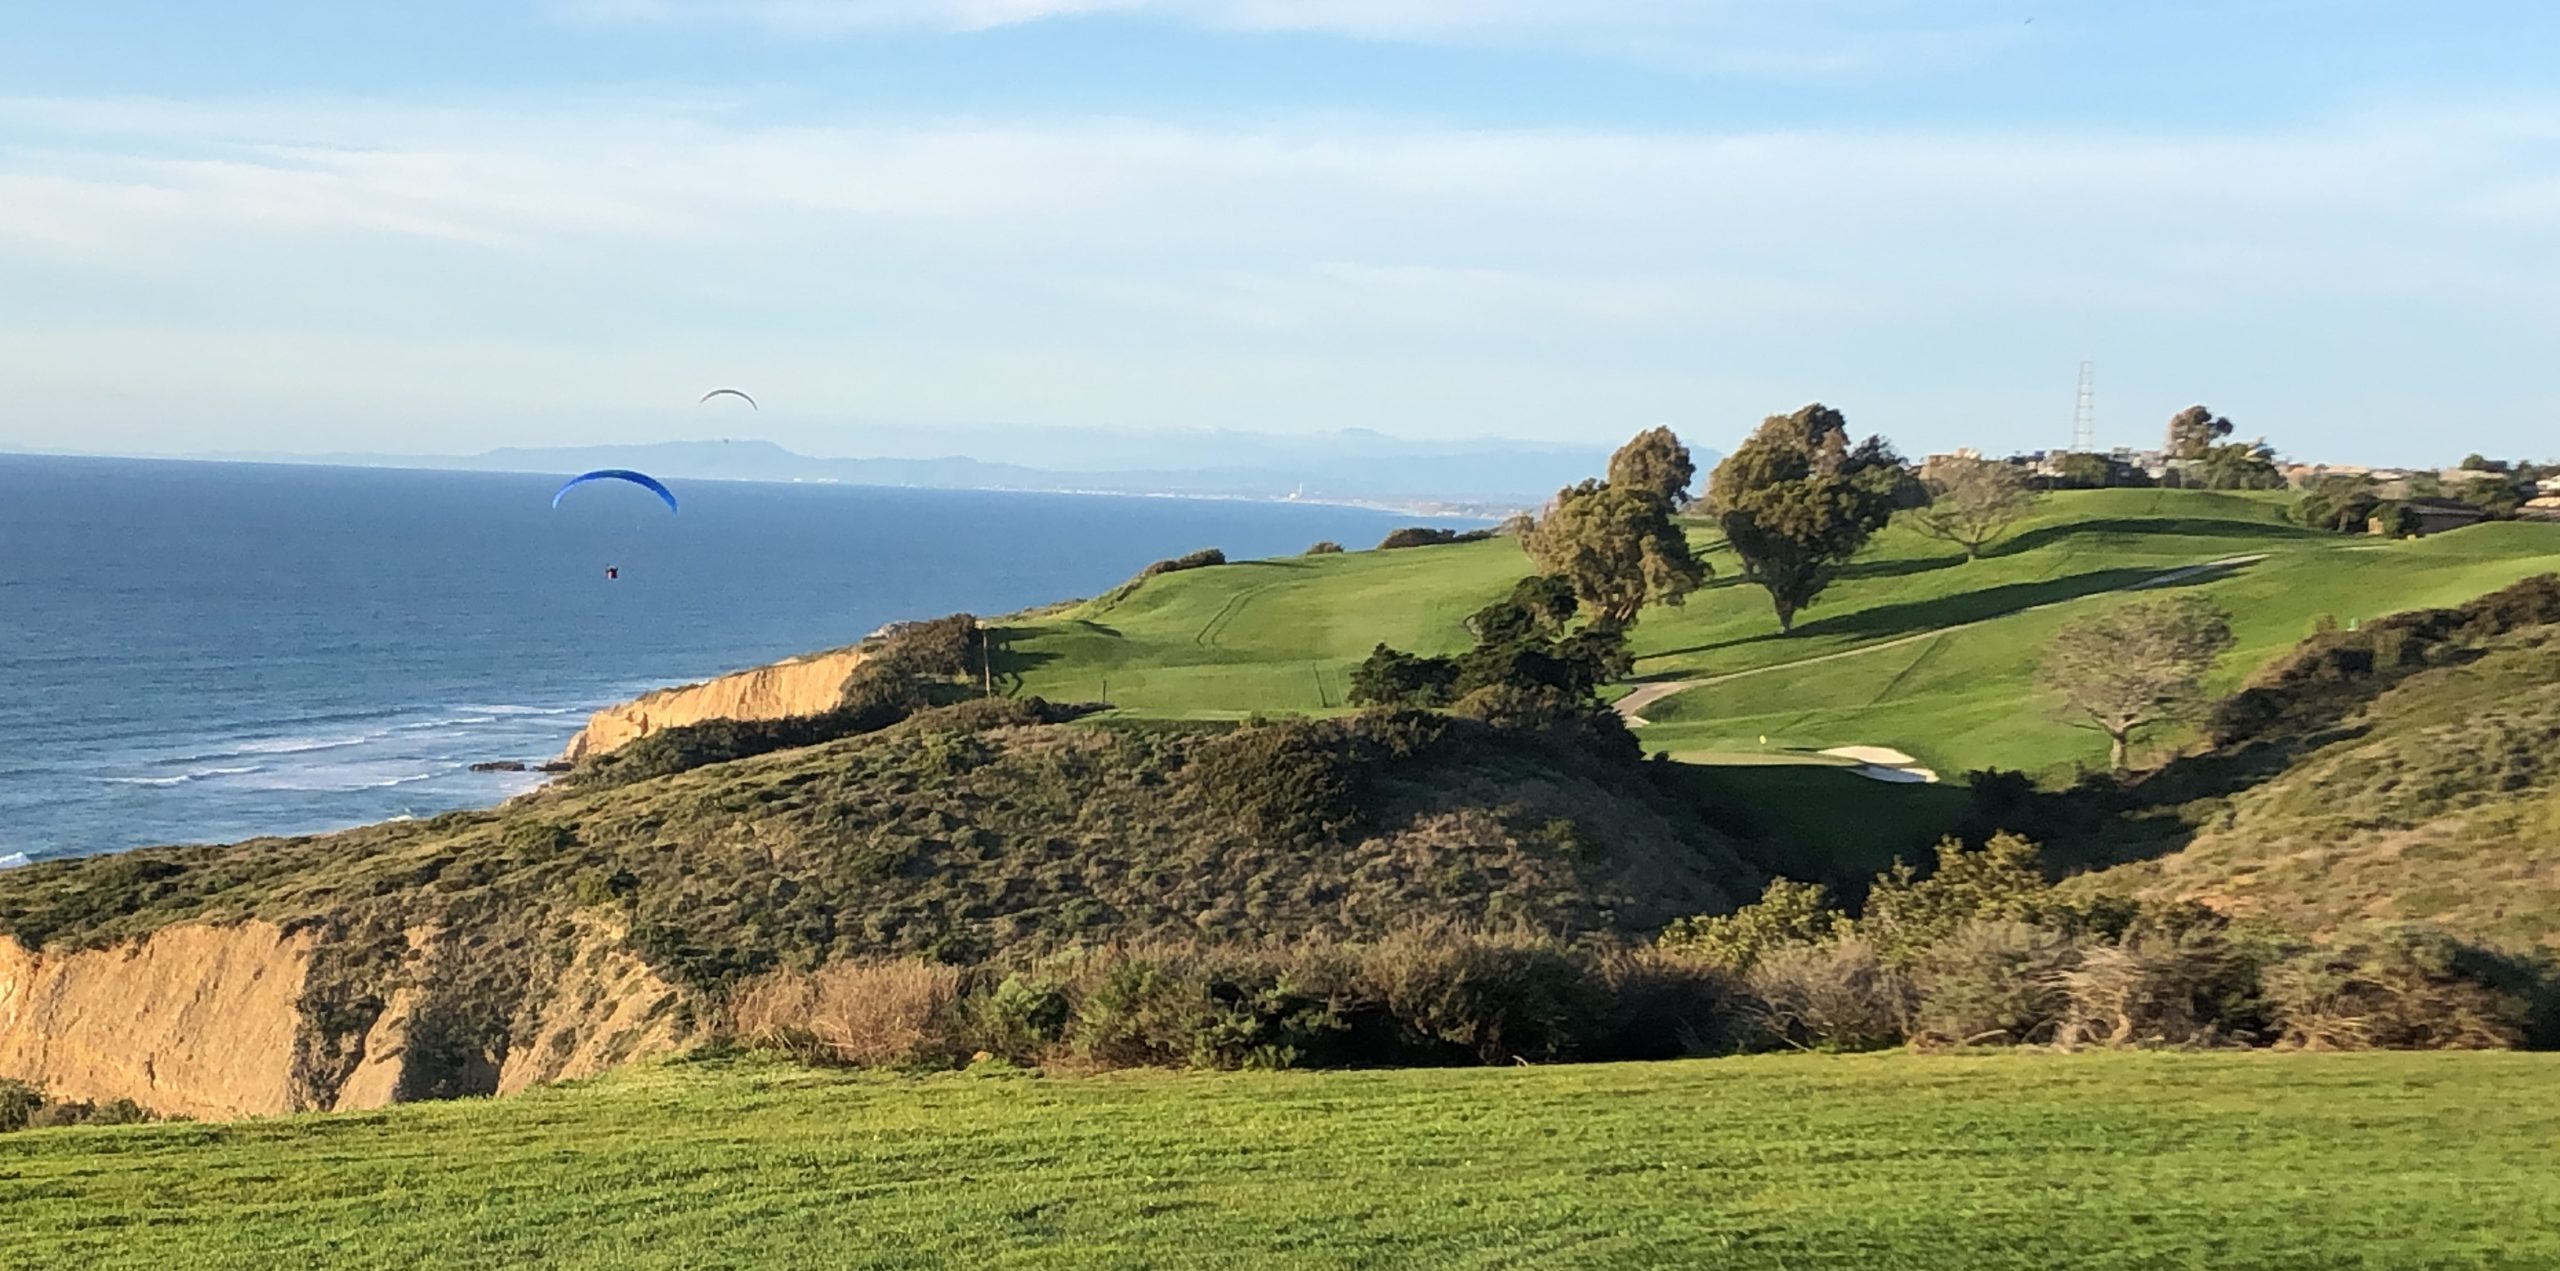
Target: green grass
[1968, 699]
[1275, 636]
[1819, 822]
[1894, 1160]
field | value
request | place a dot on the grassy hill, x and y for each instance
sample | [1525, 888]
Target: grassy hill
[2113, 1160]
[1914, 648]
[1926, 652]
[943, 836]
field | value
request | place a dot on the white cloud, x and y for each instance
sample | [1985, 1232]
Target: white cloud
[1111, 271]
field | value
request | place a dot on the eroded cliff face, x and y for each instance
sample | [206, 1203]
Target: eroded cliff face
[796, 686]
[220, 1021]
[195, 1021]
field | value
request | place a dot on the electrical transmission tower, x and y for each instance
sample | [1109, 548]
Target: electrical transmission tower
[2084, 413]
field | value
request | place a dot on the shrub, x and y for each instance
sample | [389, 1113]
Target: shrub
[1194, 1009]
[1429, 536]
[1578, 720]
[1305, 781]
[1202, 559]
[1835, 996]
[1021, 1018]
[1906, 912]
[874, 1014]
[1539, 605]
[1325, 547]
[2161, 986]
[19, 1104]
[1992, 980]
[1296, 781]
[1392, 677]
[1493, 998]
[23, 1107]
[1787, 915]
[1654, 1005]
[944, 647]
[2404, 988]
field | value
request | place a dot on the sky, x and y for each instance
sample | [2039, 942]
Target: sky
[327, 225]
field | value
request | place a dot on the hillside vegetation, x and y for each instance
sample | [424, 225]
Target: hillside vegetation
[964, 836]
[2438, 801]
[2118, 1160]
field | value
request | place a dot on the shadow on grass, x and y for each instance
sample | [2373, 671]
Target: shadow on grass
[1919, 617]
[1903, 567]
[2149, 527]
[1011, 665]
[1821, 824]
[1915, 617]
[2104, 821]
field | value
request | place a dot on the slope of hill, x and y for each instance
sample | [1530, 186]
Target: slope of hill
[2440, 802]
[588, 922]
[2369, 1160]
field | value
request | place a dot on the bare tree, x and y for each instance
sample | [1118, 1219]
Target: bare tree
[1972, 502]
[2137, 665]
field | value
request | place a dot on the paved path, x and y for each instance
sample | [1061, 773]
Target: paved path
[1631, 707]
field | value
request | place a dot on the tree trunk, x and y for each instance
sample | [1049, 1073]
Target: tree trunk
[1786, 618]
[2118, 757]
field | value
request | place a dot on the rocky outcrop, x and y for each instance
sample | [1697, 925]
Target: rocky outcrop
[796, 686]
[219, 1021]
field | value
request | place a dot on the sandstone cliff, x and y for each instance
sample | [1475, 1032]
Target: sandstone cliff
[795, 686]
[221, 1021]
[195, 1021]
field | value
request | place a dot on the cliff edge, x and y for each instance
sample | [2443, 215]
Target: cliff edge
[806, 685]
[212, 1021]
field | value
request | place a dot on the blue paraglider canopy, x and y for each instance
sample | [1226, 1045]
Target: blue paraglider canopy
[641, 479]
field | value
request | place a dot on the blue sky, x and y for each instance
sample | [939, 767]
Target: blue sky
[323, 226]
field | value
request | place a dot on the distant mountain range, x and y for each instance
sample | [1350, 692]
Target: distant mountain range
[1348, 466]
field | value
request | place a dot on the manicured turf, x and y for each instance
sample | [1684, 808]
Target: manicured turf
[1895, 1160]
[1834, 826]
[1968, 699]
[1278, 636]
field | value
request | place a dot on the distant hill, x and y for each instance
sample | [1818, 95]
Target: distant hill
[1351, 465]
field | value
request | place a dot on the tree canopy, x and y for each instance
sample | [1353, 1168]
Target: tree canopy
[2193, 430]
[1972, 502]
[2137, 665]
[2239, 465]
[1656, 463]
[1797, 501]
[1618, 549]
[1616, 543]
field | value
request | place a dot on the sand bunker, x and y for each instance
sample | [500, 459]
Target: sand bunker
[1884, 763]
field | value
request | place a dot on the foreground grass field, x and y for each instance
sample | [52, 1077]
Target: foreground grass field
[1894, 1160]
[1913, 648]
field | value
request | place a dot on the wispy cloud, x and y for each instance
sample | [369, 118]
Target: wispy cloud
[1110, 271]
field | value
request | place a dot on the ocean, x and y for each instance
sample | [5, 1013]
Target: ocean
[206, 652]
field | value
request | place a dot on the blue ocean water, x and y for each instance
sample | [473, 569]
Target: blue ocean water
[200, 652]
